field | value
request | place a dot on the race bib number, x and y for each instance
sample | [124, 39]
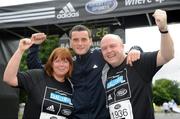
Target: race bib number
[121, 110]
[50, 116]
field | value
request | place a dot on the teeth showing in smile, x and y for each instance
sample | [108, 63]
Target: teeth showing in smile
[110, 55]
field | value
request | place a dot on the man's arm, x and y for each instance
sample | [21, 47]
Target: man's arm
[166, 52]
[33, 61]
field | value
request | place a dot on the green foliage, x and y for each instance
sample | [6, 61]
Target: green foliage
[165, 90]
[46, 49]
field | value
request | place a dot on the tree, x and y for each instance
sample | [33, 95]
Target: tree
[48, 46]
[165, 90]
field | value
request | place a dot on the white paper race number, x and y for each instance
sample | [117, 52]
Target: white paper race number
[121, 110]
[50, 116]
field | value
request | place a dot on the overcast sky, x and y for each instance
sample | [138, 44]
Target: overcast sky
[149, 39]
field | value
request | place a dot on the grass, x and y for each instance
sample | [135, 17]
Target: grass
[158, 109]
[20, 115]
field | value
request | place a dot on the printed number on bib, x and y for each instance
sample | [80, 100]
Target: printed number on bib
[121, 110]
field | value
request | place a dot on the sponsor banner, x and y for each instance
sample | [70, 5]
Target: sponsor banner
[64, 11]
[67, 11]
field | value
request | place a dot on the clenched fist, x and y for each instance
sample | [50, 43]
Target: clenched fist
[38, 38]
[161, 19]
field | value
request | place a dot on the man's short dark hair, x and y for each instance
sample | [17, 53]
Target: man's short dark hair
[80, 28]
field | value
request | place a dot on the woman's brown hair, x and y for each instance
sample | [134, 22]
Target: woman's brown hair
[62, 53]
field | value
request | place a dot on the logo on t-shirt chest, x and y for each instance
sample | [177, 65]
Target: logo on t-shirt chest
[117, 87]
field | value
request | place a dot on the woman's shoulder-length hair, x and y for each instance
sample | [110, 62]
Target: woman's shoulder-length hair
[62, 53]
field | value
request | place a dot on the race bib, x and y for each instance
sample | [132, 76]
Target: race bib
[121, 110]
[50, 116]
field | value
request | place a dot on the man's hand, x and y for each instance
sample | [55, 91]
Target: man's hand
[133, 56]
[38, 38]
[161, 19]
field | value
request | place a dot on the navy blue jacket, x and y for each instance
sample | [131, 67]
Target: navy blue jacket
[89, 94]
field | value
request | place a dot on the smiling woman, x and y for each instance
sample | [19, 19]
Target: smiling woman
[50, 87]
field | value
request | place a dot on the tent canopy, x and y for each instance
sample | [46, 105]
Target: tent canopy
[58, 16]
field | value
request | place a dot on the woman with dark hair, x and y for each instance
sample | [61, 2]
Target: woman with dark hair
[49, 90]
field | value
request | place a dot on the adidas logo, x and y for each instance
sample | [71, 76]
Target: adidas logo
[67, 11]
[95, 66]
[51, 108]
